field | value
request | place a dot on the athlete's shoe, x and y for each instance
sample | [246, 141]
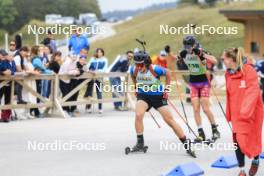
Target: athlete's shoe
[215, 133]
[201, 136]
[254, 168]
[188, 147]
[242, 173]
[138, 147]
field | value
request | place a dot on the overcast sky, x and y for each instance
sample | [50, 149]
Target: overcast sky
[110, 5]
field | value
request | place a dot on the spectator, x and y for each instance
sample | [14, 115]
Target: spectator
[38, 66]
[80, 67]
[121, 65]
[55, 62]
[97, 64]
[77, 43]
[12, 48]
[50, 42]
[7, 68]
[45, 53]
[161, 59]
[28, 97]
[18, 41]
[68, 68]
[20, 60]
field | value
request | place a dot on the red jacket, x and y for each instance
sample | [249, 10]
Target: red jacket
[161, 62]
[244, 108]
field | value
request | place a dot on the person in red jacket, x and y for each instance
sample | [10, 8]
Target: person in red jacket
[244, 108]
[161, 59]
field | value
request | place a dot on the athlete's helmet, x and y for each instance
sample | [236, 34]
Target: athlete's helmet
[189, 41]
[140, 57]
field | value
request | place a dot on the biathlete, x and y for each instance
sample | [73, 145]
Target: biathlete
[151, 93]
[195, 59]
[244, 108]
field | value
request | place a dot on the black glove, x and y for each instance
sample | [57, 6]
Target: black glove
[183, 54]
[198, 52]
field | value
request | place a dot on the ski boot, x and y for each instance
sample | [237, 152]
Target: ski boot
[188, 147]
[242, 173]
[215, 133]
[138, 148]
[201, 136]
[254, 167]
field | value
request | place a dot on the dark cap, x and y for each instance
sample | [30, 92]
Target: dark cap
[3, 52]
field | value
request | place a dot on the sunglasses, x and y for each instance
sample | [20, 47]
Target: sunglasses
[12, 44]
[140, 64]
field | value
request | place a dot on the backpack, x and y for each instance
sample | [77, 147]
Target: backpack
[6, 115]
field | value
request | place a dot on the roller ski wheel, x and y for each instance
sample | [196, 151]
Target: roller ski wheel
[136, 149]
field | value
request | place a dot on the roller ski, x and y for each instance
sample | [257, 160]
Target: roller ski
[188, 147]
[138, 148]
[201, 139]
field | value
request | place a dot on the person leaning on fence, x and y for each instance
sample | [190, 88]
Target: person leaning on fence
[81, 68]
[20, 68]
[121, 65]
[55, 62]
[98, 63]
[39, 66]
[68, 68]
[27, 96]
[46, 57]
[7, 68]
[13, 51]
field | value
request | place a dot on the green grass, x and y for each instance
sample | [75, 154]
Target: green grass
[148, 25]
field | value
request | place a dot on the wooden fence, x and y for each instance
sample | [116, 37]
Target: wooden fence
[56, 101]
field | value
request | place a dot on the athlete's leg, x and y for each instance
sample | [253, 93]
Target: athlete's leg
[141, 108]
[168, 118]
[196, 111]
[206, 108]
[205, 93]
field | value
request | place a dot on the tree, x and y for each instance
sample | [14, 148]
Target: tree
[189, 1]
[7, 12]
[211, 2]
[37, 9]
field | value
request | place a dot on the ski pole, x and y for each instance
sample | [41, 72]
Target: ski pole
[175, 109]
[221, 107]
[154, 119]
[133, 107]
[183, 108]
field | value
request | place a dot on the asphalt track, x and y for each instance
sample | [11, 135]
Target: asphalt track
[105, 139]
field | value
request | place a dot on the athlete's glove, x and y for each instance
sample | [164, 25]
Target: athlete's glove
[199, 52]
[166, 94]
[136, 93]
[183, 54]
